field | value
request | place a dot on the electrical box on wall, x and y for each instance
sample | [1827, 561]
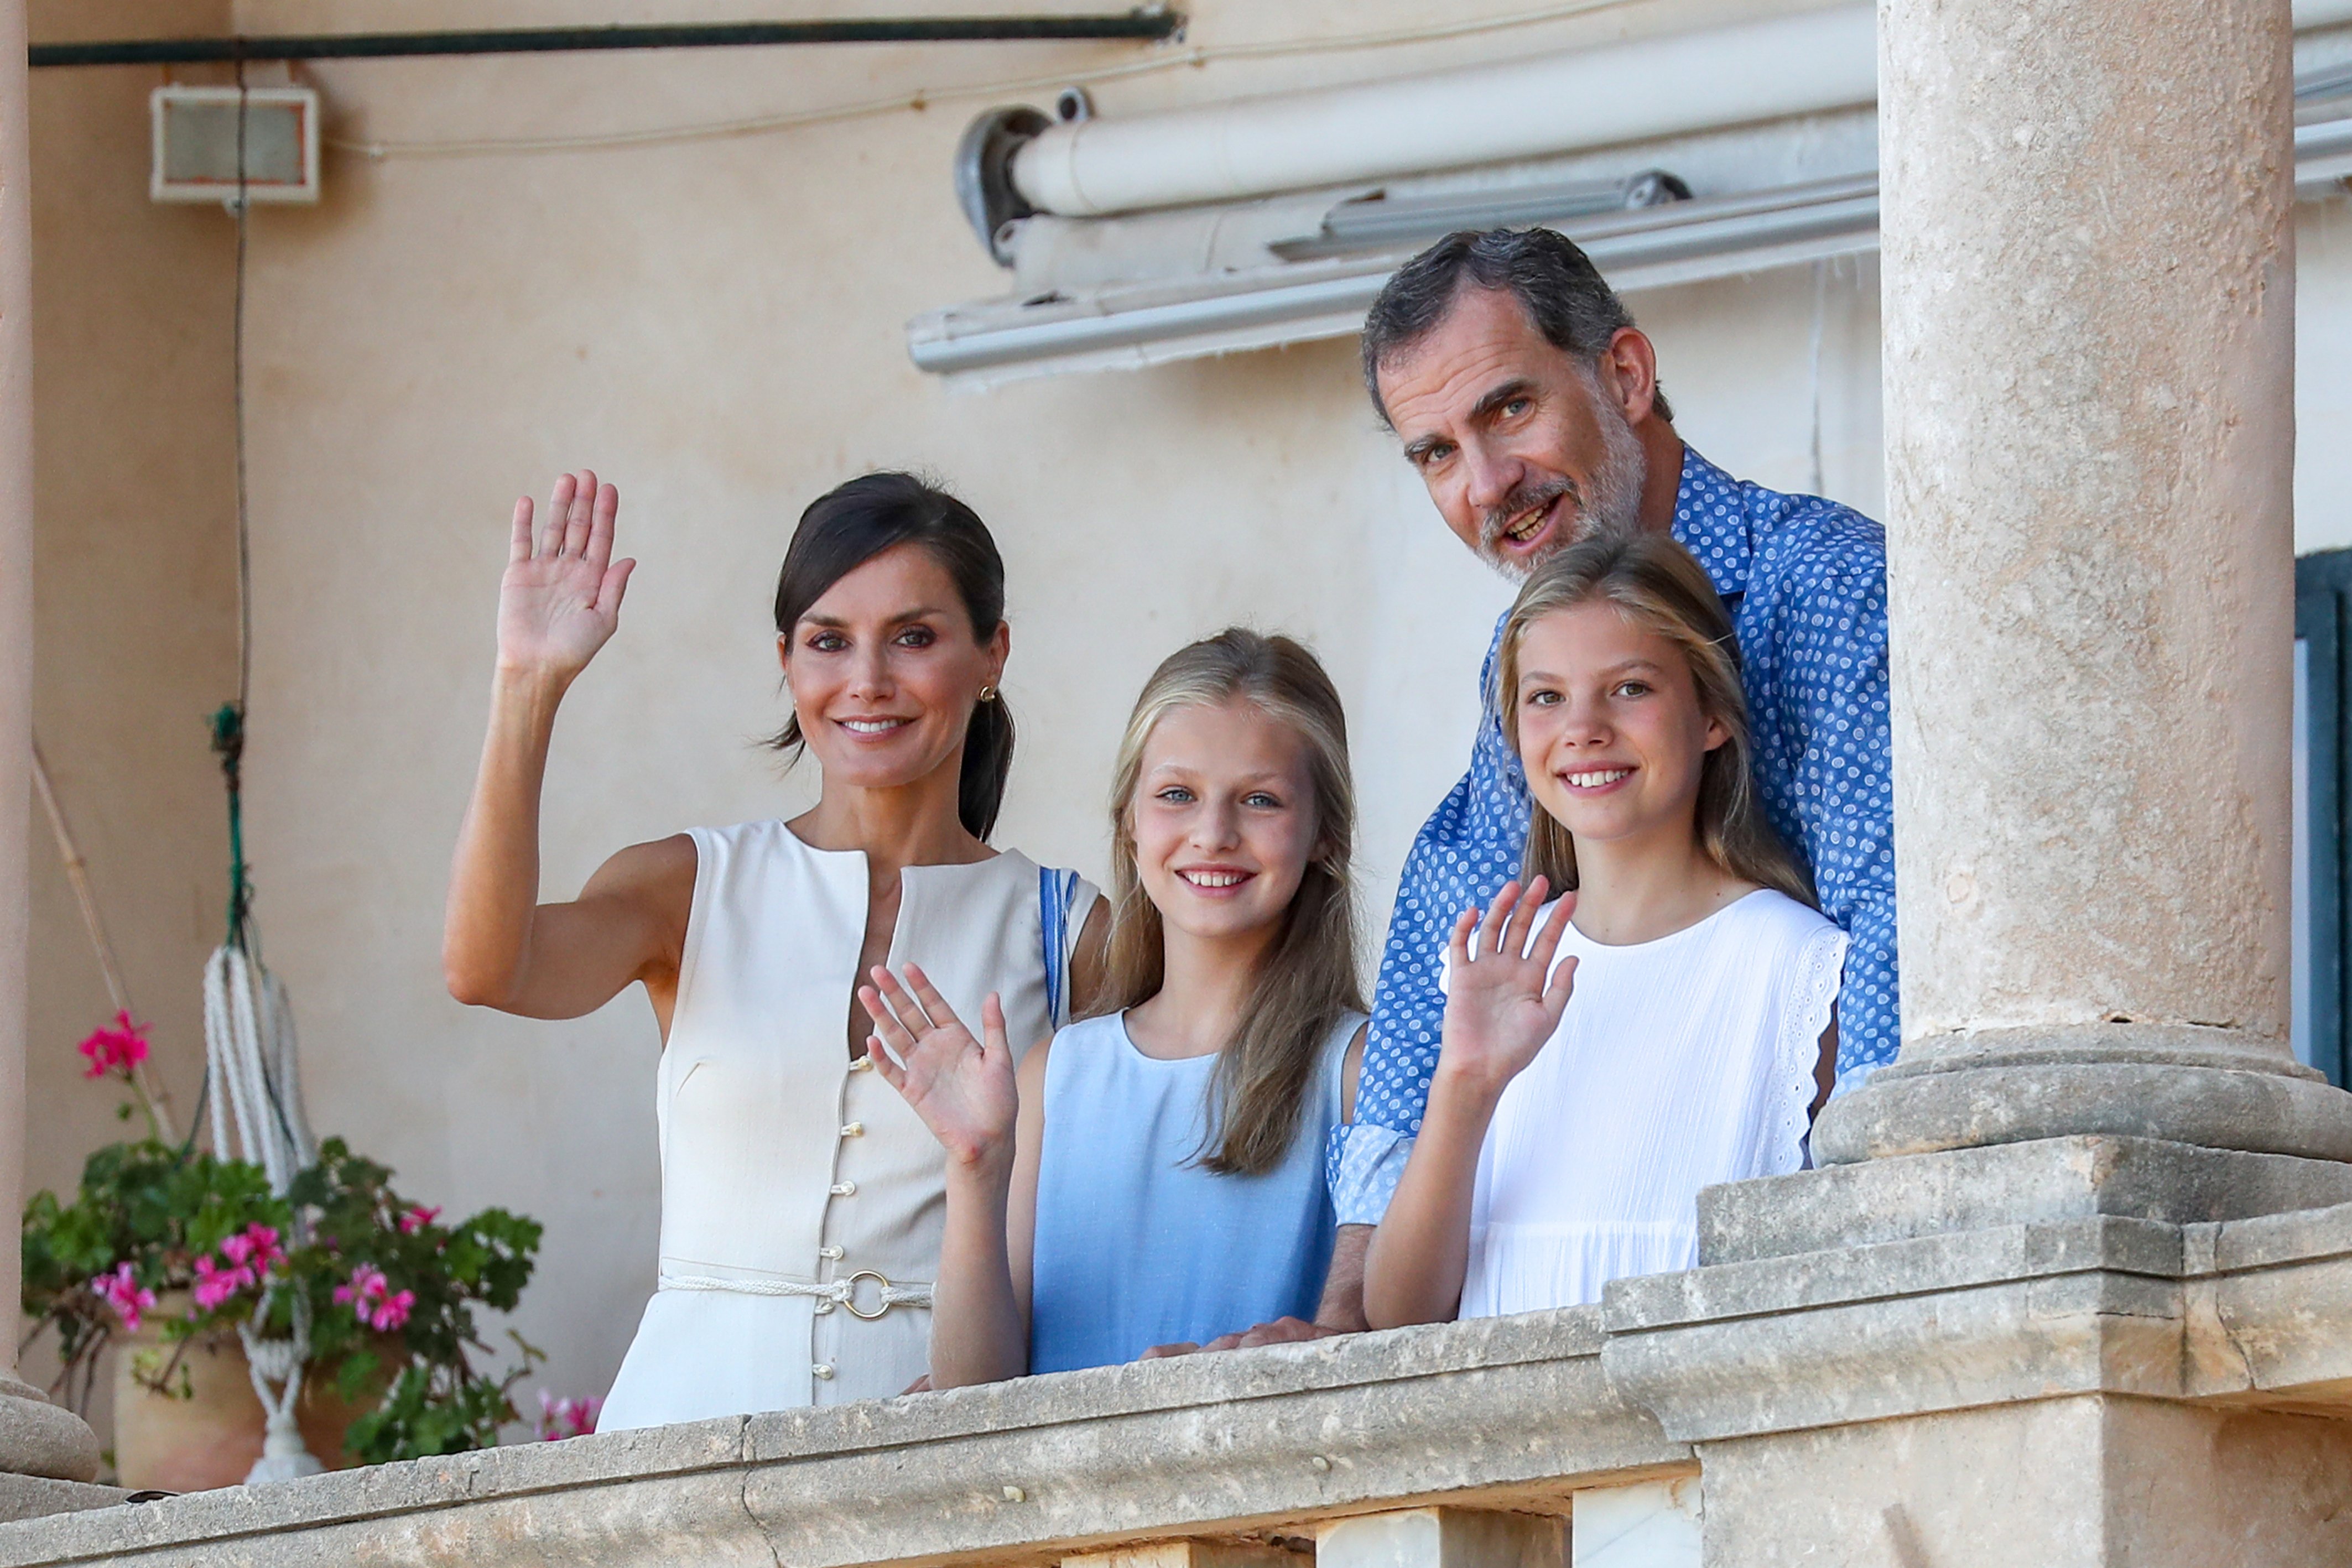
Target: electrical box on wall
[196, 145]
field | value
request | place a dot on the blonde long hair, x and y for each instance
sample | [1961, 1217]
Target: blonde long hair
[1307, 980]
[1655, 583]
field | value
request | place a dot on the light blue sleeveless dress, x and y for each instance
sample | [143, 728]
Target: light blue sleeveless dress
[1139, 1245]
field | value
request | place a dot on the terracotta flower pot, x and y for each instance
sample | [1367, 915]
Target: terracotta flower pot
[212, 1438]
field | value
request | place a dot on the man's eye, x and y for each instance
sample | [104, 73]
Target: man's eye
[1516, 406]
[1430, 456]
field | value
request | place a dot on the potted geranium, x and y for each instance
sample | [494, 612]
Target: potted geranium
[166, 1251]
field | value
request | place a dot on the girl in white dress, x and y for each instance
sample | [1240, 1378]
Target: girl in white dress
[1566, 1141]
[801, 1200]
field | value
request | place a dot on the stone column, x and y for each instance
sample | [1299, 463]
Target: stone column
[2089, 282]
[1986, 1332]
[36, 1438]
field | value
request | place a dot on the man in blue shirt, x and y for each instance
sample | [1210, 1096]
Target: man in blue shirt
[1528, 403]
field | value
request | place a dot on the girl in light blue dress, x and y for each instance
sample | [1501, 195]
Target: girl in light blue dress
[1151, 1178]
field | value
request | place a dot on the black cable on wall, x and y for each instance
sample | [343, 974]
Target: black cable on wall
[1146, 24]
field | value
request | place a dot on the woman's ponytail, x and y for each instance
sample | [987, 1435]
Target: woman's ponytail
[987, 764]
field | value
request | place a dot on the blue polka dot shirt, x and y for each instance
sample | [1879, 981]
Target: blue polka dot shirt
[1805, 579]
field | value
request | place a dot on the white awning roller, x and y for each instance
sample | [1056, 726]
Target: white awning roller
[1521, 109]
[1262, 220]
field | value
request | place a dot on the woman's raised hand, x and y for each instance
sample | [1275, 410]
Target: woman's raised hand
[1502, 998]
[962, 1087]
[560, 597]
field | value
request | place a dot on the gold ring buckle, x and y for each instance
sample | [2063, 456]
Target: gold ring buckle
[849, 1296]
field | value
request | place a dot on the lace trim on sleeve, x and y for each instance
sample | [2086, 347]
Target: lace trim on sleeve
[1814, 980]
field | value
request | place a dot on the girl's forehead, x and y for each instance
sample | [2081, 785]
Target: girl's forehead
[1231, 734]
[1593, 633]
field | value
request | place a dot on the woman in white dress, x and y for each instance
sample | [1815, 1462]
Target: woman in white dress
[1566, 1141]
[801, 1200]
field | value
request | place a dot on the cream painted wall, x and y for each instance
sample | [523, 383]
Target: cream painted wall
[717, 326]
[135, 638]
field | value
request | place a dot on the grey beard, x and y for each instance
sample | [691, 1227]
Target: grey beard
[1609, 502]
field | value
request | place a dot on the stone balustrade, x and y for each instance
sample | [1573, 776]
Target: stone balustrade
[1730, 1402]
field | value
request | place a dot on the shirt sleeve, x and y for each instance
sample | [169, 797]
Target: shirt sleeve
[1833, 701]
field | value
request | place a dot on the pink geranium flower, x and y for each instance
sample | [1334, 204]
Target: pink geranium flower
[216, 1284]
[255, 1251]
[118, 1048]
[560, 1418]
[417, 1218]
[373, 1300]
[123, 1293]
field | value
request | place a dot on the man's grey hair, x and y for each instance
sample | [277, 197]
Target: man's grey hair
[1557, 284]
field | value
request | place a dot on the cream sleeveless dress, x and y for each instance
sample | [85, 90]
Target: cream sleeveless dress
[801, 1200]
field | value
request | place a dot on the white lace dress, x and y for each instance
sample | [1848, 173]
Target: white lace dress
[1680, 1063]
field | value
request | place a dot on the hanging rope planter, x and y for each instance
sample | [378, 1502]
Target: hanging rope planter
[255, 1087]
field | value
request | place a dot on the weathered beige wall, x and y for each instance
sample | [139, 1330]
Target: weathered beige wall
[717, 325]
[134, 574]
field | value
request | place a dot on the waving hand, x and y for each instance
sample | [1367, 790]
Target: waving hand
[560, 597]
[962, 1087]
[1503, 1001]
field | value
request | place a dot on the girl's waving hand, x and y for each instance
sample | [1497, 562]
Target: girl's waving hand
[962, 1087]
[1503, 999]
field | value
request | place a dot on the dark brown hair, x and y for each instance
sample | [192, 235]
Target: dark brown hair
[1550, 277]
[850, 525]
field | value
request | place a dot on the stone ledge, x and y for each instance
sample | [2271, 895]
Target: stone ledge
[36, 1496]
[1506, 1411]
[2250, 1312]
[2006, 1184]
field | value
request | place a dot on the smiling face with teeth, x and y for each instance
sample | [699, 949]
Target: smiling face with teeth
[884, 668]
[1611, 731]
[1223, 821]
[1524, 447]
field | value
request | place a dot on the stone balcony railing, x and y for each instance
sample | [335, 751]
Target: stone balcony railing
[1789, 1402]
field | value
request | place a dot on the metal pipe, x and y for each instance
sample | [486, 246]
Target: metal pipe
[1524, 107]
[1521, 107]
[1148, 23]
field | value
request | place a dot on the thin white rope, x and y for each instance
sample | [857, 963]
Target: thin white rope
[921, 98]
[284, 1455]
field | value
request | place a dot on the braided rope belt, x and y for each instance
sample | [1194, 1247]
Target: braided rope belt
[841, 1292]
